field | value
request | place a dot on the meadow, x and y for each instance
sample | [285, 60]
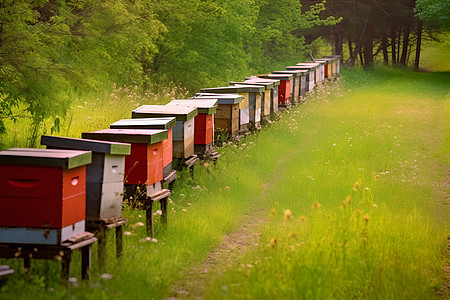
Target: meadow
[347, 191]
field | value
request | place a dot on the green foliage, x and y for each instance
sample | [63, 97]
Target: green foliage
[434, 12]
[54, 51]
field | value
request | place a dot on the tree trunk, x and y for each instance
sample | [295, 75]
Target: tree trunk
[418, 44]
[384, 47]
[368, 45]
[350, 51]
[406, 32]
[361, 58]
[338, 41]
[358, 47]
[393, 43]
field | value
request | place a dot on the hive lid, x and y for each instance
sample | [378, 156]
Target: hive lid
[235, 89]
[256, 79]
[68, 159]
[225, 99]
[309, 65]
[296, 73]
[137, 136]
[144, 123]
[205, 106]
[277, 76]
[266, 85]
[182, 113]
[319, 61]
[87, 145]
[309, 68]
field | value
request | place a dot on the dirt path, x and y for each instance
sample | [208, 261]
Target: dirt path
[232, 247]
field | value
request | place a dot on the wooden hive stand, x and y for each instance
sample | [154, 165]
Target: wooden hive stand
[62, 252]
[99, 228]
[162, 197]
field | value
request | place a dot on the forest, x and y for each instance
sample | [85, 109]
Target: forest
[54, 51]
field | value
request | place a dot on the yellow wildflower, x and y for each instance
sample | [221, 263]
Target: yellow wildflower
[287, 215]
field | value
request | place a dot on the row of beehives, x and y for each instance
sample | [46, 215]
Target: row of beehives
[47, 195]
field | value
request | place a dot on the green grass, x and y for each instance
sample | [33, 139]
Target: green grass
[387, 130]
[382, 147]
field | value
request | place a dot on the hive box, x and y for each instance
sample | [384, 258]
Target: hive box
[318, 70]
[42, 195]
[144, 164]
[104, 176]
[273, 92]
[183, 132]
[328, 67]
[250, 94]
[336, 62]
[153, 123]
[323, 67]
[266, 95]
[297, 83]
[203, 122]
[310, 75]
[284, 90]
[255, 94]
[227, 112]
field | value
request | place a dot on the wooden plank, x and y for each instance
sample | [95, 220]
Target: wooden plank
[170, 177]
[58, 142]
[205, 106]
[181, 113]
[225, 111]
[68, 159]
[183, 148]
[235, 89]
[230, 98]
[80, 237]
[159, 195]
[277, 76]
[146, 136]
[144, 123]
[256, 79]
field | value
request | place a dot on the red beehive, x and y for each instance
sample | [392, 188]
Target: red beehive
[203, 122]
[144, 164]
[284, 89]
[153, 123]
[41, 188]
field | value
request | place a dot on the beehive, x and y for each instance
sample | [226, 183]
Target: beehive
[284, 89]
[336, 61]
[266, 95]
[227, 112]
[327, 71]
[255, 102]
[144, 164]
[104, 176]
[273, 92]
[153, 123]
[183, 132]
[318, 71]
[297, 82]
[310, 76]
[249, 108]
[42, 195]
[203, 122]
